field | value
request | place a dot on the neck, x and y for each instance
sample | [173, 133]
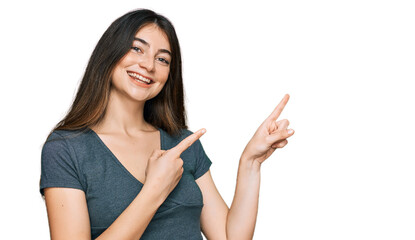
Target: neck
[123, 116]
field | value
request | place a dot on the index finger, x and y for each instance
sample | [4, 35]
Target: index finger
[187, 142]
[277, 111]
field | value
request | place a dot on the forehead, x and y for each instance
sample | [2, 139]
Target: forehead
[153, 35]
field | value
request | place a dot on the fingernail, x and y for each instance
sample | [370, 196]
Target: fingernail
[203, 130]
[290, 131]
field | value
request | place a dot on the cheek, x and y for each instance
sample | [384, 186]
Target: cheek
[162, 85]
[165, 75]
[162, 76]
[115, 76]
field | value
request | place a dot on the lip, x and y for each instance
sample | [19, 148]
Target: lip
[141, 75]
[138, 83]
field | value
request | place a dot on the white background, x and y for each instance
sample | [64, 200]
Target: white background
[347, 173]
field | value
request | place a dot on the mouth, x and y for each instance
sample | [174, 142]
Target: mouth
[140, 78]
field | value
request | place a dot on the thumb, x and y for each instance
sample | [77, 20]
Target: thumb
[157, 154]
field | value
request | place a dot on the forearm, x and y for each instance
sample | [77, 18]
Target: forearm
[134, 220]
[243, 211]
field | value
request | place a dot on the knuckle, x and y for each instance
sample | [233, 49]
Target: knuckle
[157, 153]
[154, 153]
[189, 143]
[282, 133]
[283, 143]
[180, 162]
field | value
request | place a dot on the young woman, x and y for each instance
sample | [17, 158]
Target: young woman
[122, 164]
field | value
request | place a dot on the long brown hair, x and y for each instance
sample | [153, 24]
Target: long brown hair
[166, 110]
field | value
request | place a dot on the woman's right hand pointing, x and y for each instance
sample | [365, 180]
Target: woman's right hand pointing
[165, 168]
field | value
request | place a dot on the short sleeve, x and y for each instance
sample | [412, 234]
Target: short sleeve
[58, 165]
[202, 160]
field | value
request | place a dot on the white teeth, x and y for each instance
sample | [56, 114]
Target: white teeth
[134, 75]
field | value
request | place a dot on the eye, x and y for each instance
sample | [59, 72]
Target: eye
[137, 49]
[163, 60]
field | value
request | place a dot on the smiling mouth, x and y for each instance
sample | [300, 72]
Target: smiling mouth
[139, 78]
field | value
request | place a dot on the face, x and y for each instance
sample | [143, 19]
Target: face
[142, 72]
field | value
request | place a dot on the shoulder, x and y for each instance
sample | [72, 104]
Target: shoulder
[59, 135]
[66, 140]
[184, 133]
[71, 137]
[67, 147]
[60, 164]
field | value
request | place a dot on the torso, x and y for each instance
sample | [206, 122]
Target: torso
[133, 152]
[83, 161]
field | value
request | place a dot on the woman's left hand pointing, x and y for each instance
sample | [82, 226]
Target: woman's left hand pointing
[272, 134]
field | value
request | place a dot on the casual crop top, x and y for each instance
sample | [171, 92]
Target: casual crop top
[80, 159]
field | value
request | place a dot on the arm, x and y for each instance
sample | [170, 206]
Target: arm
[244, 209]
[239, 221]
[134, 220]
[68, 215]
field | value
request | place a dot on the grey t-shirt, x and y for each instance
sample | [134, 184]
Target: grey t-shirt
[79, 159]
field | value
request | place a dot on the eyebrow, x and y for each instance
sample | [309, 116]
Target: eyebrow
[148, 44]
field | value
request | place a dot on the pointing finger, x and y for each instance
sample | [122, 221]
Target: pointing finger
[187, 142]
[156, 154]
[277, 111]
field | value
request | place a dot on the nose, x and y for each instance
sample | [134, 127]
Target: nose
[146, 61]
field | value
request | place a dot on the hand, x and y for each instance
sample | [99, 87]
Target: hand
[270, 135]
[165, 168]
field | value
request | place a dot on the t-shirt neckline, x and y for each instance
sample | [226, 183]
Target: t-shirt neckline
[115, 159]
